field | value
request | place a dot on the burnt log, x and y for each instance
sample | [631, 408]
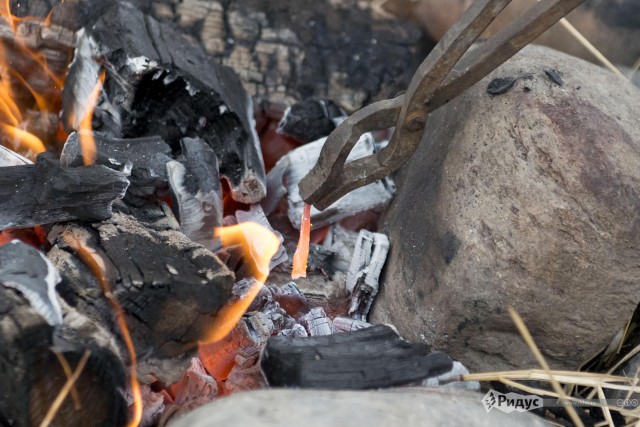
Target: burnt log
[169, 287]
[158, 83]
[34, 342]
[373, 357]
[142, 160]
[291, 51]
[48, 192]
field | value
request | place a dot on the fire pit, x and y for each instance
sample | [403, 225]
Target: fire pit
[156, 250]
[132, 161]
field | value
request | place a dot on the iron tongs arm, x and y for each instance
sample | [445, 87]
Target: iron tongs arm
[435, 83]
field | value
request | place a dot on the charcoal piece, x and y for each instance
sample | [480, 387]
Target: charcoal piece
[374, 357]
[158, 83]
[257, 215]
[31, 375]
[317, 322]
[296, 331]
[289, 297]
[195, 190]
[11, 158]
[341, 241]
[363, 277]
[283, 181]
[169, 287]
[48, 192]
[554, 76]
[27, 270]
[500, 85]
[40, 73]
[245, 374]
[311, 119]
[325, 284]
[347, 324]
[143, 160]
[219, 357]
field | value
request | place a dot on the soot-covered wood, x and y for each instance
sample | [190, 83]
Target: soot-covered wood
[345, 50]
[158, 83]
[143, 160]
[169, 287]
[31, 375]
[196, 191]
[374, 357]
[48, 192]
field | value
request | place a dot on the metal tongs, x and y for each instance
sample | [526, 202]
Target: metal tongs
[434, 84]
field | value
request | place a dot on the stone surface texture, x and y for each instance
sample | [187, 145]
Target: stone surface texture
[391, 408]
[527, 199]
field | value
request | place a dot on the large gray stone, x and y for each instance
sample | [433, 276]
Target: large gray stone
[407, 407]
[529, 199]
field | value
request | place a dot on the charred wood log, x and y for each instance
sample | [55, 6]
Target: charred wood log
[169, 287]
[157, 83]
[142, 160]
[34, 342]
[196, 191]
[48, 192]
[373, 357]
[295, 50]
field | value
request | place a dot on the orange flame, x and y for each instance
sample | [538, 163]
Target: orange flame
[13, 122]
[301, 255]
[97, 267]
[87, 142]
[259, 245]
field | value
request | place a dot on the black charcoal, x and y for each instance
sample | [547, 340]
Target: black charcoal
[373, 357]
[47, 192]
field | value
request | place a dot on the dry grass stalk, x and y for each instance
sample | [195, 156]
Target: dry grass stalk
[634, 69]
[55, 406]
[528, 339]
[67, 371]
[591, 48]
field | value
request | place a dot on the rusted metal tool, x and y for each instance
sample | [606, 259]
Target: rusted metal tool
[449, 70]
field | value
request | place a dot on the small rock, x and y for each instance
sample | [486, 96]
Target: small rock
[407, 407]
[530, 202]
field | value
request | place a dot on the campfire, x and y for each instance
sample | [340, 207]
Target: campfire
[169, 237]
[137, 239]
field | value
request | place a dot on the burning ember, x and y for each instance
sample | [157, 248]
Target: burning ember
[259, 245]
[29, 88]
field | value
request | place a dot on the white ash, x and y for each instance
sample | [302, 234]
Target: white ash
[283, 180]
[32, 274]
[11, 158]
[363, 277]
[443, 380]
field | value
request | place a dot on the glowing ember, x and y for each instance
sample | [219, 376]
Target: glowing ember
[13, 87]
[97, 267]
[259, 245]
[302, 251]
